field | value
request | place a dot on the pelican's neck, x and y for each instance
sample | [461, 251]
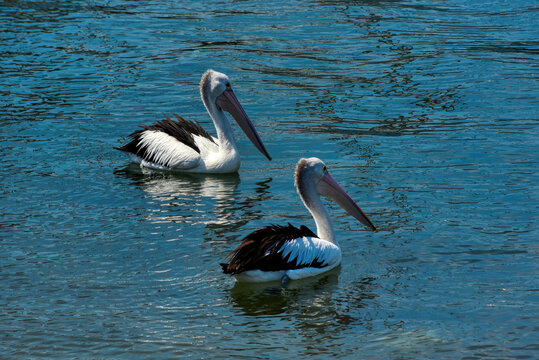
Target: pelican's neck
[313, 203]
[225, 136]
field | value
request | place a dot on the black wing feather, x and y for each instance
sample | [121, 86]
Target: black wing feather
[259, 250]
[182, 130]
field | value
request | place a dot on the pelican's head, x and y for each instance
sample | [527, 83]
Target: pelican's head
[216, 91]
[313, 176]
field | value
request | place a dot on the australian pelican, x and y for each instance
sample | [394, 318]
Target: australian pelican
[286, 252]
[185, 146]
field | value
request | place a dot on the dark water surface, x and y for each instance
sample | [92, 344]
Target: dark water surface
[425, 111]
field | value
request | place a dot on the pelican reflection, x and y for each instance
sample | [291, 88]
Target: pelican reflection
[317, 305]
[191, 198]
[214, 200]
[271, 298]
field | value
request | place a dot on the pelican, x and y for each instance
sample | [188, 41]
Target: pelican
[288, 253]
[185, 146]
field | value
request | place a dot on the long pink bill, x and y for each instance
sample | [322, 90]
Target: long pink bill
[330, 188]
[228, 102]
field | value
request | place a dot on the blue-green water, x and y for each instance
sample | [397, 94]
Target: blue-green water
[425, 111]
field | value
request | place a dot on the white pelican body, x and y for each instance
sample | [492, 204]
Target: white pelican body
[185, 146]
[286, 252]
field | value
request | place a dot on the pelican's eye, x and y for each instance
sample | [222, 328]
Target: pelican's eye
[324, 169]
[228, 86]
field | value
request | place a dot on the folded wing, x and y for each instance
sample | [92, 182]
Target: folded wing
[276, 248]
[170, 144]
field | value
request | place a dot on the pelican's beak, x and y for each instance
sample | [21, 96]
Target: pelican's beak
[229, 102]
[327, 186]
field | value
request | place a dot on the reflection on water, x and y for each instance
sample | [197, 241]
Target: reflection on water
[250, 206]
[182, 197]
[310, 303]
[313, 307]
[210, 199]
[171, 185]
[272, 298]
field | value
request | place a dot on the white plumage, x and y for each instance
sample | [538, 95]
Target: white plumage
[287, 252]
[185, 146]
[302, 252]
[168, 152]
[307, 250]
